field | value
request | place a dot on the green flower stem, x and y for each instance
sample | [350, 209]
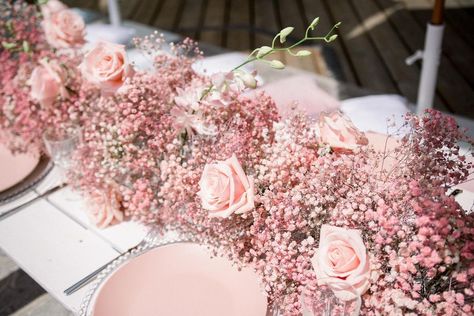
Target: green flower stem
[327, 38]
[254, 55]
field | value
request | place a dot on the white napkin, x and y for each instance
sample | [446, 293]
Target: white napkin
[370, 113]
[220, 63]
[106, 32]
[224, 63]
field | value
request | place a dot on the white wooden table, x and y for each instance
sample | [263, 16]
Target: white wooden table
[52, 240]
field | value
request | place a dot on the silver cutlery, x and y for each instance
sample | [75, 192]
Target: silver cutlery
[22, 206]
[149, 238]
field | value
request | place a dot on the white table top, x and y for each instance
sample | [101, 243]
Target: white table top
[52, 240]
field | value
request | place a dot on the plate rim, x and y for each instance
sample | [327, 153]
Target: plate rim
[21, 188]
[87, 303]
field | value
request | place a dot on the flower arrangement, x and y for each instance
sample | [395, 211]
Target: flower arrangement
[304, 216]
[41, 85]
[309, 204]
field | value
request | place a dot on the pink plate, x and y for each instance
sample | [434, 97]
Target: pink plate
[179, 279]
[14, 168]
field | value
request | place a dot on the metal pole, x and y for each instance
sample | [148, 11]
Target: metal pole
[114, 13]
[431, 58]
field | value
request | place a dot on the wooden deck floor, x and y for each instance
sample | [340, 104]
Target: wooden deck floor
[376, 37]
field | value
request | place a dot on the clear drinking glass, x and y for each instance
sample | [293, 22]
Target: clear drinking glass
[60, 143]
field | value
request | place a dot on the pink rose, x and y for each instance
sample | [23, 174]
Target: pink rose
[342, 259]
[106, 65]
[225, 189]
[64, 29]
[47, 82]
[106, 208]
[52, 6]
[337, 130]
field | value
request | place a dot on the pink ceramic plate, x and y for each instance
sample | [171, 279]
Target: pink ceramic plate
[15, 168]
[179, 279]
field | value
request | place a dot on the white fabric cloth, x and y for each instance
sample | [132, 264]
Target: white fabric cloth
[106, 32]
[371, 113]
[220, 63]
[224, 63]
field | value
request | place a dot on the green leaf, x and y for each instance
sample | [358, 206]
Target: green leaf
[337, 24]
[40, 2]
[7, 45]
[285, 32]
[314, 23]
[277, 64]
[262, 51]
[303, 53]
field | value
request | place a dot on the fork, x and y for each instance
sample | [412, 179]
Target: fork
[150, 238]
[28, 203]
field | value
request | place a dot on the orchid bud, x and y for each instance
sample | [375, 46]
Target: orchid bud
[262, 51]
[277, 64]
[314, 23]
[332, 38]
[285, 32]
[303, 53]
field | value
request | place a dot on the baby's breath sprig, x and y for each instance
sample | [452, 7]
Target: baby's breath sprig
[264, 51]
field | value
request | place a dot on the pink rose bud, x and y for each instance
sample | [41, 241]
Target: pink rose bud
[342, 259]
[106, 65]
[337, 130]
[106, 208]
[52, 6]
[47, 83]
[225, 189]
[64, 29]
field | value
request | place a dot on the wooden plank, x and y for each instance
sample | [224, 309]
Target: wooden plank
[455, 48]
[461, 21]
[225, 22]
[452, 89]
[53, 249]
[17, 202]
[87, 4]
[145, 12]
[411, 35]
[122, 236]
[180, 9]
[212, 29]
[370, 68]
[310, 9]
[389, 46]
[291, 16]
[239, 22]
[265, 22]
[189, 18]
[202, 17]
[129, 8]
[156, 11]
[252, 23]
[167, 15]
